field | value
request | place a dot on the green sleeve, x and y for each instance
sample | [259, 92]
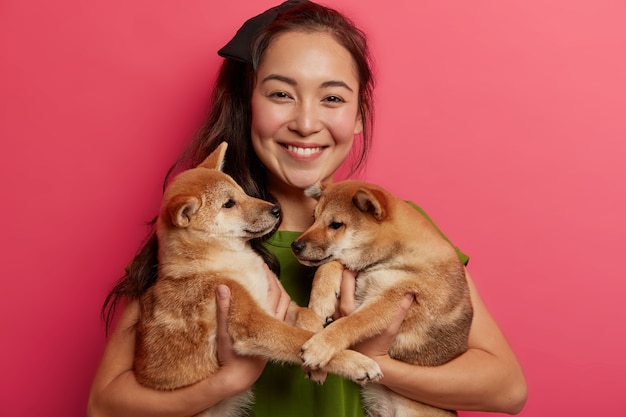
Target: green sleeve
[463, 257]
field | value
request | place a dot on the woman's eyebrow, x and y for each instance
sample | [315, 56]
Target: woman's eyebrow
[336, 84]
[291, 81]
[282, 78]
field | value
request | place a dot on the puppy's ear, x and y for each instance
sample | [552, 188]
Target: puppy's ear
[370, 201]
[216, 159]
[182, 208]
[315, 190]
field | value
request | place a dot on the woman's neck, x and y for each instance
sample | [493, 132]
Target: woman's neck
[297, 209]
[297, 215]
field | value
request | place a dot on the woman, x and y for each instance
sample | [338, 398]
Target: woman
[290, 107]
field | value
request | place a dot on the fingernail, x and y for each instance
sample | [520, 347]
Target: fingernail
[222, 291]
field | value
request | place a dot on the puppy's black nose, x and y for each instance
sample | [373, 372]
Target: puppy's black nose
[297, 246]
[275, 211]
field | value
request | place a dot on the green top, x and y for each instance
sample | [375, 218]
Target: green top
[283, 390]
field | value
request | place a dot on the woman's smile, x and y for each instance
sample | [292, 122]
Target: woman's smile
[304, 152]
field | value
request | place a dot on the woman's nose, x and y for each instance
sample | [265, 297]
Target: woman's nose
[306, 119]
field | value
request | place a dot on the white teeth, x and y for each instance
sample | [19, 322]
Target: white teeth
[303, 151]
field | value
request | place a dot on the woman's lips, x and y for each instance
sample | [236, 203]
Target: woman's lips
[304, 151]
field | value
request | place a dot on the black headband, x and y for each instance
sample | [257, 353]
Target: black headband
[239, 46]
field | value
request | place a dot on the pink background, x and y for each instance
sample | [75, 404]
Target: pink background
[505, 120]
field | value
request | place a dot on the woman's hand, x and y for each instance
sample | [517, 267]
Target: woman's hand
[378, 346]
[485, 378]
[243, 371]
[277, 297]
[115, 391]
[240, 372]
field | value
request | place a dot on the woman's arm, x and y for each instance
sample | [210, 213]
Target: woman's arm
[116, 392]
[487, 377]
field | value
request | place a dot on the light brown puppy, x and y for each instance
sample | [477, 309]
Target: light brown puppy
[395, 251]
[204, 228]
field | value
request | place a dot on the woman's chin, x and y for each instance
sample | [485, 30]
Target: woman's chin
[304, 181]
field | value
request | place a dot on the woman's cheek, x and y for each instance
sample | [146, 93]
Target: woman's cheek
[343, 127]
[267, 119]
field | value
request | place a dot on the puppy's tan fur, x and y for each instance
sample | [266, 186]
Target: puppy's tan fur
[205, 223]
[395, 251]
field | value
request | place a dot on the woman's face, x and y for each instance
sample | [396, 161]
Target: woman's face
[305, 108]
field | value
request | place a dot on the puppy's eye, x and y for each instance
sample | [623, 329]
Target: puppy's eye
[335, 225]
[230, 203]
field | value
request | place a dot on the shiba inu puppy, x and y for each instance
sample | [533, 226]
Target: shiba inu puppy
[395, 251]
[204, 227]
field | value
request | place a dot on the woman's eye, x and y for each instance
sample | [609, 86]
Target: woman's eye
[334, 99]
[335, 225]
[279, 95]
[230, 203]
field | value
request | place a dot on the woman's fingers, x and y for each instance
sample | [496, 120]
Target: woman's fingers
[277, 297]
[405, 304]
[243, 371]
[224, 343]
[379, 345]
[346, 303]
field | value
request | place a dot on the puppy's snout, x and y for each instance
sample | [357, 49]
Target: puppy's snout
[275, 211]
[297, 246]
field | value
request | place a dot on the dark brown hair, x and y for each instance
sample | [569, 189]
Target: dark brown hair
[229, 119]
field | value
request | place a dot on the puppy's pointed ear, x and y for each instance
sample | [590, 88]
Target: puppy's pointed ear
[182, 208]
[216, 159]
[315, 190]
[370, 201]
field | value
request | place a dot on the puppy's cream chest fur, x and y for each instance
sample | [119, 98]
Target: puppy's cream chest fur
[254, 278]
[243, 266]
[373, 282]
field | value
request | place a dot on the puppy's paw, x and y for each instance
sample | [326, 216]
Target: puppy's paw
[367, 372]
[315, 353]
[355, 366]
[316, 375]
[324, 307]
[307, 319]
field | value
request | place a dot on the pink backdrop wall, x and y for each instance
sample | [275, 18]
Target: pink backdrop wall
[505, 120]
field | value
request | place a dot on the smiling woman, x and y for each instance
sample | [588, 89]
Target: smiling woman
[292, 108]
[505, 119]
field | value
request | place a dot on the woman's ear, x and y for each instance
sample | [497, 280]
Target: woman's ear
[358, 128]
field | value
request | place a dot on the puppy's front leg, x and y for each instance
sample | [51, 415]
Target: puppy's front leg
[325, 290]
[304, 318]
[369, 320]
[256, 333]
